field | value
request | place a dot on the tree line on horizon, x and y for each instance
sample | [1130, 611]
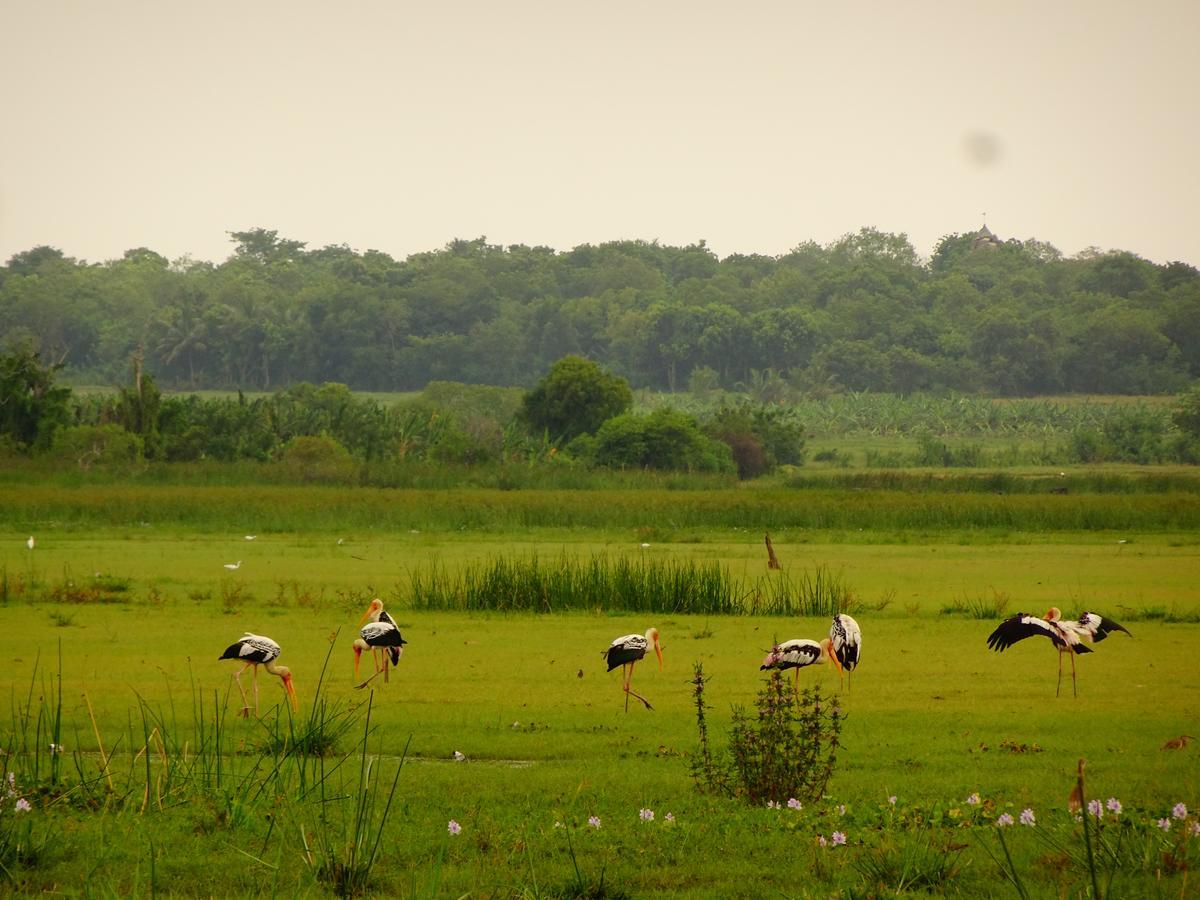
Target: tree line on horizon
[863, 313]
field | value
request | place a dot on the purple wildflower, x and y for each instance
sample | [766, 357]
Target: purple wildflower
[1180, 811]
[453, 827]
[837, 838]
[23, 805]
[594, 821]
[793, 803]
[1096, 808]
[646, 815]
[1164, 824]
[892, 800]
[1114, 806]
[1027, 817]
[821, 840]
[1004, 820]
[670, 817]
[973, 799]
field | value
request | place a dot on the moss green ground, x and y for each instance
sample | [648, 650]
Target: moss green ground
[932, 715]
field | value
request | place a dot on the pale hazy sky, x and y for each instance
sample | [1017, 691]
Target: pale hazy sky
[754, 125]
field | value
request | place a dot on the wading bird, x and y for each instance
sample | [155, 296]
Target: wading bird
[627, 650]
[255, 650]
[1067, 636]
[797, 655]
[376, 613]
[379, 636]
[233, 566]
[846, 639]
[29, 543]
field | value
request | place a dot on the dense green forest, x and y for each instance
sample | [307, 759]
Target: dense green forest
[1002, 318]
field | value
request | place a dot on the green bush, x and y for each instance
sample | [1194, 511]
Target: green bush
[317, 459]
[665, 440]
[97, 445]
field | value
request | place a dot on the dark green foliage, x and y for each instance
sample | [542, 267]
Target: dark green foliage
[786, 749]
[32, 406]
[760, 437]
[863, 312]
[664, 439]
[575, 397]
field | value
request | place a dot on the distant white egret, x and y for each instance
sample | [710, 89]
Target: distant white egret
[29, 543]
[232, 566]
[251, 537]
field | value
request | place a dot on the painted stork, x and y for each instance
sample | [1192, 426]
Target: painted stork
[1067, 636]
[379, 633]
[625, 651]
[846, 642]
[376, 613]
[255, 650]
[798, 654]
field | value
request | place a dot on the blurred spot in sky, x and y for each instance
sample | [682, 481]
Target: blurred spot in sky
[983, 148]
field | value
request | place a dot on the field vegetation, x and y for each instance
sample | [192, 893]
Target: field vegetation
[122, 733]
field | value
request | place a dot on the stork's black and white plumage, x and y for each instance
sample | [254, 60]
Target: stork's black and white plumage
[1067, 636]
[846, 642]
[392, 645]
[381, 633]
[625, 651]
[797, 654]
[256, 650]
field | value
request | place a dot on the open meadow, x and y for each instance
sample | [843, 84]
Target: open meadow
[123, 738]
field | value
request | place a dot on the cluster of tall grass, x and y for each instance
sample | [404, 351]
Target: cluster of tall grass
[296, 775]
[531, 583]
[665, 512]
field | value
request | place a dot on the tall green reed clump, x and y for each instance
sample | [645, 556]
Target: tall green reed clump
[817, 593]
[529, 583]
[787, 749]
[344, 845]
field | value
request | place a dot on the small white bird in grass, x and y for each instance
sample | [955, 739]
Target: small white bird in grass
[29, 543]
[251, 537]
[232, 566]
[627, 650]
[459, 756]
[1067, 637]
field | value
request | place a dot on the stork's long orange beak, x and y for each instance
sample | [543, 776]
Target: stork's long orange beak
[287, 683]
[658, 652]
[364, 618]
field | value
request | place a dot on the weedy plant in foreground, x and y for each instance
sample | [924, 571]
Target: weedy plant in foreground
[785, 751]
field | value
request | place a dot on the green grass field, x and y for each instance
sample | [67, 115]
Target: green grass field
[196, 801]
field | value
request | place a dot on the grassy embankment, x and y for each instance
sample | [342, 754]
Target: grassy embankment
[932, 718]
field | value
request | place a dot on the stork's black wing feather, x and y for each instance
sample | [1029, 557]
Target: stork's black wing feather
[1017, 628]
[1100, 627]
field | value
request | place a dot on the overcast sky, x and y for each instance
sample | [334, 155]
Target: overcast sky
[753, 125]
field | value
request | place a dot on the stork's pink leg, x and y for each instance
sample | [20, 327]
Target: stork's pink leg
[1074, 691]
[238, 678]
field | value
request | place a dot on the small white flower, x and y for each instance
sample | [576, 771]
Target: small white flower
[594, 821]
[1164, 824]
[892, 800]
[1027, 817]
[23, 805]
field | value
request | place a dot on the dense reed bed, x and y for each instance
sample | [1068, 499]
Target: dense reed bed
[295, 508]
[600, 583]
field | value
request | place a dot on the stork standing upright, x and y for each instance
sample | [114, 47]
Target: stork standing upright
[380, 633]
[1068, 636]
[256, 650]
[845, 638]
[627, 650]
[798, 654]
